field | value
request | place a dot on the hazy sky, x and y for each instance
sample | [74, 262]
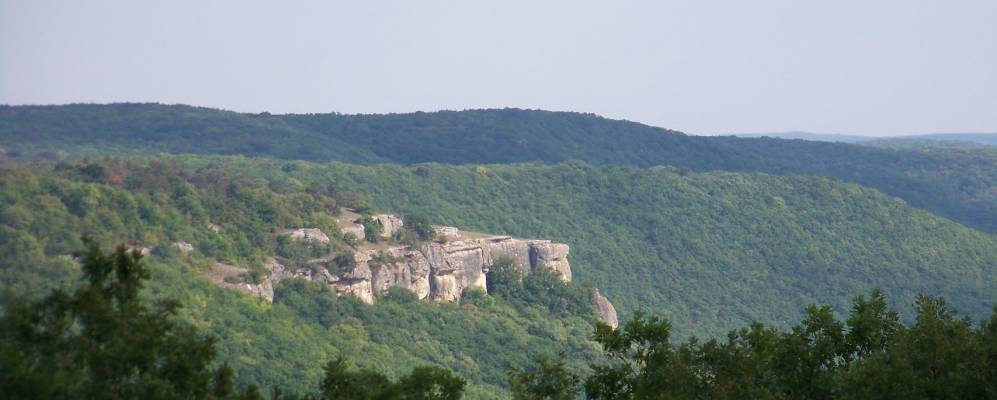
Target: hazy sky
[868, 67]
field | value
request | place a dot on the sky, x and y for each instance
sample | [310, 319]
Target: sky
[883, 67]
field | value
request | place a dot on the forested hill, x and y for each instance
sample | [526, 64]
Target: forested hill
[712, 250]
[960, 184]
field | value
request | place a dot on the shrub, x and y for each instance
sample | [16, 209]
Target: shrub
[400, 295]
[504, 279]
[343, 262]
[372, 228]
[420, 224]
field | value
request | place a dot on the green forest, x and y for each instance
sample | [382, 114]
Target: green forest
[711, 250]
[103, 342]
[960, 184]
[740, 268]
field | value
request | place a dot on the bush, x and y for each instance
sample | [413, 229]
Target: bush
[504, 279]
[372, 228]
[420, 224]
[342, 263]
[351, 239]
[400, 295]
[477, 297]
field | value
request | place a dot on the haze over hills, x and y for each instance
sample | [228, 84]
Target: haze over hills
[924, 140]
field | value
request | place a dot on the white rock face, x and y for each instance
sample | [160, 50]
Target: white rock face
[309, 234]
[390, 223]
[184, 247]
[605, 309]
[448, 232]
[554, 256]
[443, 271]
[434, 271]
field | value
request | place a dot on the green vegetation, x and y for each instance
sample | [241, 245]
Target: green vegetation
[871, 355]
[420, 224]
[372, 228]
[711, 251]
[240, 221]
[102, 342]
[541, 286]
[954, 183]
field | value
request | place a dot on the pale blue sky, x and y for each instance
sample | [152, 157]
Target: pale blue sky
[865, 67]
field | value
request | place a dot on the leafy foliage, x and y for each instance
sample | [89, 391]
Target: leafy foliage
[952, 182]
[712, 251]
[372, 228]
[420, 224]
[547, 379]
[239, 220]
[102, 342]
[424, 383]
[870, 355]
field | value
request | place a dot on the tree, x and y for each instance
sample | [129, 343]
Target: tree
[372, 228]
[810, 353]
[504, 278]
[642, 361]
[420, 224]
[547, 379]
[872, 324]
[430, 383]
[424, 383]
[103, 342]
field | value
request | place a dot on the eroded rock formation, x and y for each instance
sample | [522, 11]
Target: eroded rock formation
[437, 271]
[390, 223]
[312, 234]
[604, 309]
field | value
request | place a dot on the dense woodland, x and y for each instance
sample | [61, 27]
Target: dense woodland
[102, 342]
[48, 210]
[714, 250]
[956, 183]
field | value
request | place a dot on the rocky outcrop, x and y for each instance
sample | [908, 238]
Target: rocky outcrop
[446, 232]
[184, 247]
[352, 228]
[436, 271]
[309, 234]
[554, 256]
[433, 271]
[232, 277]
[604, 309]
[390, 223]
[443, 271]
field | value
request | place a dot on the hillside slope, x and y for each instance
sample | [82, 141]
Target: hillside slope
[222, 218]
[960, 184]
[712, 250]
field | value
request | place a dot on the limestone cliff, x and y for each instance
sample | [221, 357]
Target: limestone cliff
[438, 270]
[435, 271]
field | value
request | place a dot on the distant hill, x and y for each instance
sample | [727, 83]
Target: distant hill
[816, 137]
[903, 141]
[957, 183]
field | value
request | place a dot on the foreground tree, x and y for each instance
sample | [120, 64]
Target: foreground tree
[103, 342]
[869, 356]
[424, 383]
[548, 379]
